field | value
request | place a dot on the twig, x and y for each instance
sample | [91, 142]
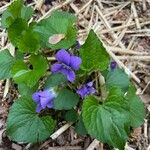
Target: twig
[129, 51]
[124, 26]
[3, 34]
[131, 43]
[138, 31]
[3, 8]
[111, 2]
[144, 5]
[54, 8]
[86, 5]
[117, 41]
[93, 145]
[145, 128]
[39, 4]
[135, 15]
[3, 39]
[6, 89]
[127, 147]
[80, 16]
[86, 11]
[120, 64]
[121, 7]
[140, 35]
[114, 36]
[51, 58]
[145, 88]
[148, 148]
[65, 148]
[91, 19]
[54, 135]
[148, 108]
[145, 131]
[100, 4]
[60, 131]
[139, 58]
[107, 10]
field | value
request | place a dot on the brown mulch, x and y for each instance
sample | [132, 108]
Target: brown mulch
[124, 27]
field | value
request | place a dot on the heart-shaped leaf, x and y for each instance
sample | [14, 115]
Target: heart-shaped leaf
[59, 23]
[25, 125]
[108, 122]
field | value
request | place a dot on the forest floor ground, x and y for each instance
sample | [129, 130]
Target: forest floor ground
[124, 28]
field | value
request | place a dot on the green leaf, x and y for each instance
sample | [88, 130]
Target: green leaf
[71, 116]
[66, 99]
[19, 33]
[23, 36]
[11, 13]
[25, 125]
[29, 42]
[7, 19]
[24, 90]
[16, 29]
[26, 12]
[55, 80]
[137, 110]
[80, 128]
[117, 78]
[23, 74]
[57, 23]
[6, 62]
[93, 54]
[108, 122]
[14, 11]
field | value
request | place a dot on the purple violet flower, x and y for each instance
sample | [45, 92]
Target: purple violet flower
[66, 65]
[44, 99]
[113, 65]
[86, 90]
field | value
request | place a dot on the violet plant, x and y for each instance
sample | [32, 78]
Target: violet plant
[66, 84]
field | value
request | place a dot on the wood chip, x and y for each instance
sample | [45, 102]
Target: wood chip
[66, 148]
[16, 146]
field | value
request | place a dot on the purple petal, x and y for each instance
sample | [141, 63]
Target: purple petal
[63, 56]
[56, 67]
[71, 76]
[90, 84]
[45, 94]
[82, 91]
[38, 108]
[113, 65]
[92, 90]
[36, 97]
[75, 62]
[50, 104]
[44, 101]
[69, 73]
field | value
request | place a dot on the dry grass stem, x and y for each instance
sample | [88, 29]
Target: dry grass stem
[60, 131]
[93, 145]
[135, 15]
[54, 8]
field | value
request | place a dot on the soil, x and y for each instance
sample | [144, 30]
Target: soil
[124, 27]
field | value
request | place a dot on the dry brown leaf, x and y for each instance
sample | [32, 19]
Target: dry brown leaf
[56, 38]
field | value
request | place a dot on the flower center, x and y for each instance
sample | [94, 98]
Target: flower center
[67, 67]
